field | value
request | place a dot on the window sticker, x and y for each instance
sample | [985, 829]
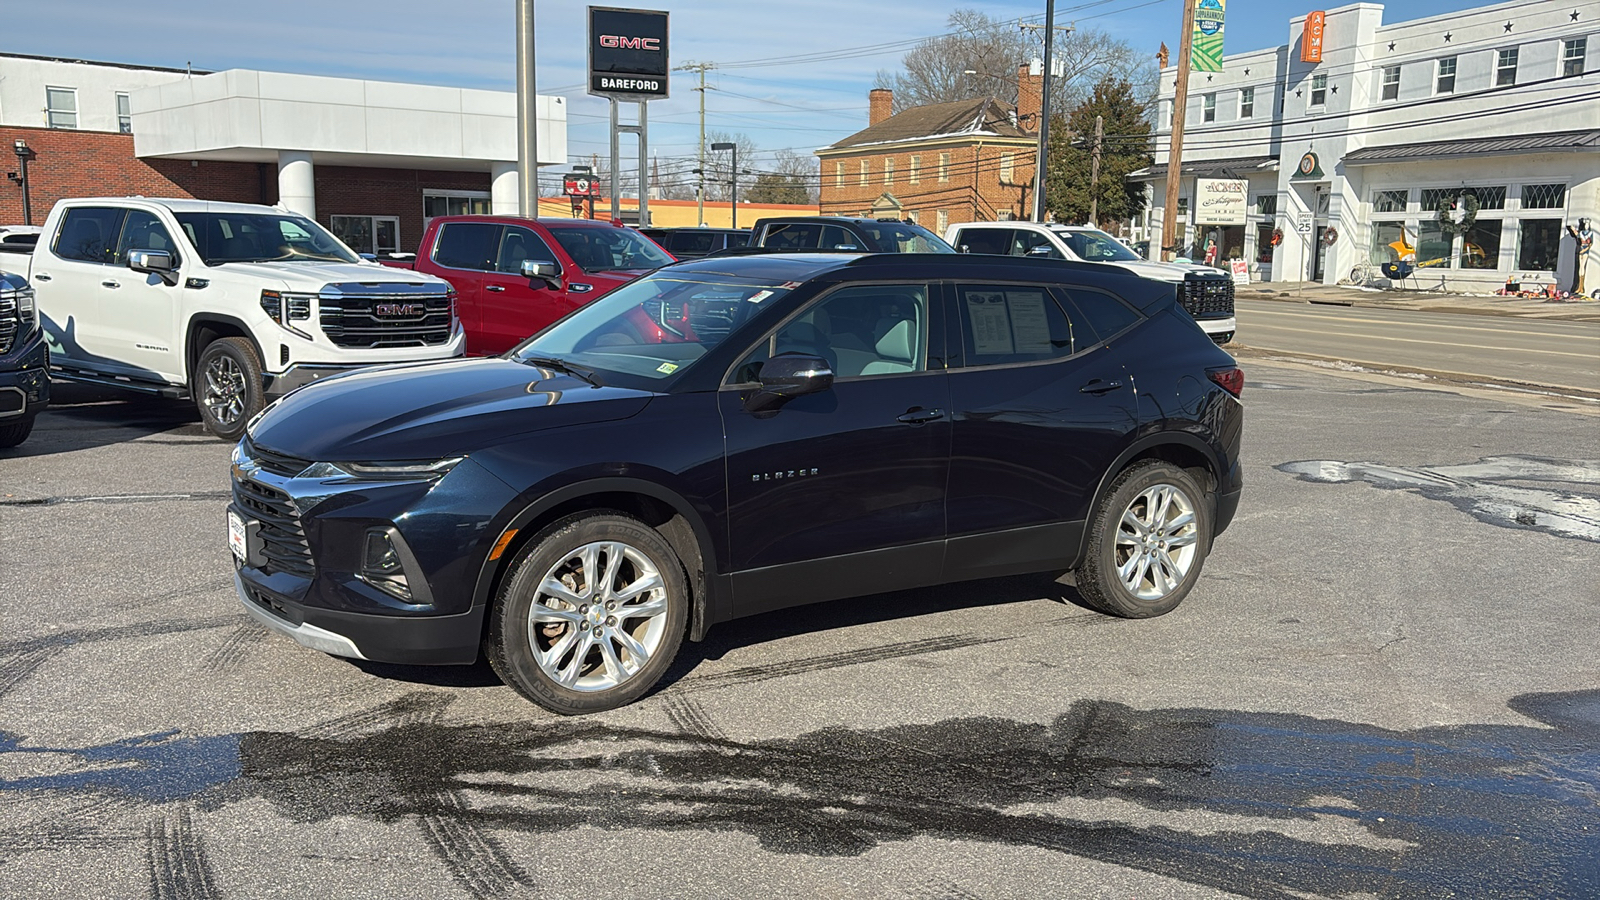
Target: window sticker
[759, 296]
[991, 324]
[1030, 325]
[667, 368]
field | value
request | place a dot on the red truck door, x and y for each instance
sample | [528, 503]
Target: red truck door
[461, 253]
[513, 307]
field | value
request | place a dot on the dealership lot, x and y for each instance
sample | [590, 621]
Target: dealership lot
[1384, 683]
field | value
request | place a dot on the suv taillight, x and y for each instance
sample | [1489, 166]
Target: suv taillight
[1231, 379]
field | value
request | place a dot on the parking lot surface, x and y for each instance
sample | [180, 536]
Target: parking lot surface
[1384, 685]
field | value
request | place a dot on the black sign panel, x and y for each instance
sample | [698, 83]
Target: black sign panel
[628, 53]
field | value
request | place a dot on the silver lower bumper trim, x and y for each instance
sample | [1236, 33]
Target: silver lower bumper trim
[305, 635]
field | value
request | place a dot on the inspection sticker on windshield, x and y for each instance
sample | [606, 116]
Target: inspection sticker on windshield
[667, 368]
[789, 285]
[759, 296]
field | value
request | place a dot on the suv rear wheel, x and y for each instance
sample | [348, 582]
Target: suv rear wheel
[591, 614]
[227, 386]
[1147, 541]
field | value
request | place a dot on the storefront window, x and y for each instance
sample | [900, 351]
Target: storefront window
[1232, 244]
[1433, 245]
[1491, 197]
[1390, 201]
[1264, 244]
[1541, 242]
[1544, 196]
[1480, 245]
[1389, 242]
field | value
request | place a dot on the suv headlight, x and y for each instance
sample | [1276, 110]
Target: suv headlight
[286, 308]
[389, 470]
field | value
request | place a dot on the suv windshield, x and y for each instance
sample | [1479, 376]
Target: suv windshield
[223, 237]
[656, 326]
[605, 249]
[1096, 246]
[905, 237]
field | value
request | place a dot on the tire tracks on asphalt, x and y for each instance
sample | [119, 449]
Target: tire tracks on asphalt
[472, 855]
[176, 859]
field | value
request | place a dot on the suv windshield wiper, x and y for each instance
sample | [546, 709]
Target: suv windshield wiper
[561, 365]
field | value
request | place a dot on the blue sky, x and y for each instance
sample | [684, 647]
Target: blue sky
[471, 43]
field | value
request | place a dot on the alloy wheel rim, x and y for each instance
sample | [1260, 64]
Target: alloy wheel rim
[598, 616]
[224, 390]
[1156, 542]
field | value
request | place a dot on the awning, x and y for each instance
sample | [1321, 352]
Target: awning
[1210, 168]
[1586, 141]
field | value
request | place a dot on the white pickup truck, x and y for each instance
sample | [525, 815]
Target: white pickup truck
[229, 304]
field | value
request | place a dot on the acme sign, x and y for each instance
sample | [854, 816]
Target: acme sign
[628, 58]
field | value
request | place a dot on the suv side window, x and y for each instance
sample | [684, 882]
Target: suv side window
[89, 234]
[1105, 314]
[1012, 323]
[143, 231]
[701, 242]
[993, 241]
[793, 236]
[467, 245]
[516, 245]
[1026, 240]
[836, 238]
[862, 331]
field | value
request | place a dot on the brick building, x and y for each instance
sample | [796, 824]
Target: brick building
[963, 161]
[370, 160]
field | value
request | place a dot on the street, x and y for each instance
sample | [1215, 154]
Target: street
[1383, 685]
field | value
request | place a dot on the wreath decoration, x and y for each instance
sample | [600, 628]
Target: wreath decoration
[1277, 236]
[1447, 206]
[1330, 236]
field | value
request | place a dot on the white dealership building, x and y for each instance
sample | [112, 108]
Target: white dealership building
[1492, 114]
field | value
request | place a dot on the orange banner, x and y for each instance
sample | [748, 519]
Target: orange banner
[1311, 40]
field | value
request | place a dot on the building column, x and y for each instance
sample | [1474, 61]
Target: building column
[297, 183]
[505, 194]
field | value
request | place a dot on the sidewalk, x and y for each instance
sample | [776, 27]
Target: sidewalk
[1429, 301]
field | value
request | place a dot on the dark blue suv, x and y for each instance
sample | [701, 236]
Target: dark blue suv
[736, 435]
[24, 361]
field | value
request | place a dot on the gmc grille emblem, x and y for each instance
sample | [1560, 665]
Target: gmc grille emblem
[400, 309]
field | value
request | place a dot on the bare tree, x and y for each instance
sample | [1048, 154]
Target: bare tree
[719, 163]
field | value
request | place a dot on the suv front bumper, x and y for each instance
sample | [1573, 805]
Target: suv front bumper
[25, 378]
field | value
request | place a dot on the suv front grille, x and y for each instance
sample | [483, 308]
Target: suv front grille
[274, 462]
[387, 320]
[283, 540]
[1207, 298]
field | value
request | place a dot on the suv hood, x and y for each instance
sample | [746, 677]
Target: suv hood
[1165, 271]
[432, 410]
[313, 276]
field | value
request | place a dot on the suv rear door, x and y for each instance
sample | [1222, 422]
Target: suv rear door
[68, 273]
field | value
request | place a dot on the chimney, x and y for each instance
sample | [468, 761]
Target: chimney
[1030, 94]
[881, 105]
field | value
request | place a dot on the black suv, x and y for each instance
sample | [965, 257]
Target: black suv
[693, 243]
[24, 361]
[735, 435]
[844, 234]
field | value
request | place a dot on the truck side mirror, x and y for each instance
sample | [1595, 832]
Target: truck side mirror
[542, 270]
[153, 262]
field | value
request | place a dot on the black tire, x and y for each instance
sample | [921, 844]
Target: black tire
[227, 388]
[15, 431]
[514, 651]
[1113, 544]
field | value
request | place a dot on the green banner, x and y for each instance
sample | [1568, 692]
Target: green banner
[1206, 53]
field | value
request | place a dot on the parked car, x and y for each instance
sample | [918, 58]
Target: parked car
[693, 243]
[824, 426]
[844, 234]
[1207, 293]
[228, 304]
[24, 360]
[513, 276]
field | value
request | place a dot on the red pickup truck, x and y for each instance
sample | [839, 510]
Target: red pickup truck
[504, 294]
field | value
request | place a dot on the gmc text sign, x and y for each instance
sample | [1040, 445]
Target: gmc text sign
[628, 53]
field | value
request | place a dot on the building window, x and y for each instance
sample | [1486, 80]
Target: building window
[1505, 68]
[1390, 201]
[1445, 83]
[124, 114]
[866, 172]
[1319, 90]
[1208, 108]
[367, 234]
[838, 174]
[61, 107]
[1491, 197]
[944, 169]
[454, 203]
[941, 222]
[913, 215]
[1540, 246]
[1480, 245]
[1544, 196]
[888, 170]
[1008, 171]
[1572, 54]
[1247, 103]
[1266, 204]
[914, 172]
[1391, 83]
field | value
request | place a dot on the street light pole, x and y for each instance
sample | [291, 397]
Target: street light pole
[734, 178]
[24, 153]
[527, 115]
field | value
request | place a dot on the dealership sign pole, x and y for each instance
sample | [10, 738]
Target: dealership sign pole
[527, 115]
[628, 61]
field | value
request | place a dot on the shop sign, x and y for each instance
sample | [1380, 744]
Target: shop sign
[628, 53]
[1241, 271]
[1221, 201]
[580, 186]
[1311, 38]
[1310, 166]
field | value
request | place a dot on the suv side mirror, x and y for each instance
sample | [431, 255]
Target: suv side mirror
[543, 270]
[154, 262]
[791, 375]
[1041, 250]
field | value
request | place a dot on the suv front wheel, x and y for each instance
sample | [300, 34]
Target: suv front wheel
[591, 614]
[1147, 541]
[227, 386]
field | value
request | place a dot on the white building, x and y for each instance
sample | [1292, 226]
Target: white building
[1494, 111]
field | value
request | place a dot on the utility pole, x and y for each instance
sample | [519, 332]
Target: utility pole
[1044, 107]
[527, 115]
[700, 192]
[1094, 172]
[1180, 111]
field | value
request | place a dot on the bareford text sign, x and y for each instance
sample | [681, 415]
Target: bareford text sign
[628, 53]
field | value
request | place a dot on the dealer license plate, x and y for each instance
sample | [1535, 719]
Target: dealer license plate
[237, 541]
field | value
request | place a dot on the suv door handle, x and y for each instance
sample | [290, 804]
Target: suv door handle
[1099, 387]
[920, 416]
[110, 284]
[494, 287]
[40, 276]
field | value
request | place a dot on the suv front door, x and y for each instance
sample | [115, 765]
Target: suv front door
[514, 306]
[140, 316]
[842, 492]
